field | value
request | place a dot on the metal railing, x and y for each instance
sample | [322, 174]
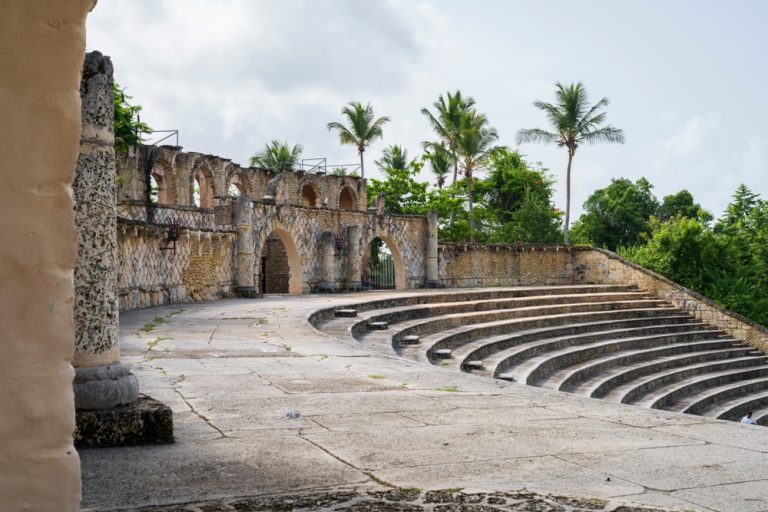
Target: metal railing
[150, 142]
[321, 166]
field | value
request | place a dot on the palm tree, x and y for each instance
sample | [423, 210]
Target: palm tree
[574, 123]
[446, 121]
[393, 157]
[440, 159]
[473, 146]
[362, 130]
[277, 156]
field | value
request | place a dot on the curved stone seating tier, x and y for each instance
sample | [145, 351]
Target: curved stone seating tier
[616, 343]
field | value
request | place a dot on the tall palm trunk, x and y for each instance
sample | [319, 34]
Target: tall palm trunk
[453, 190]
[568, 198]
[362, 168]
[471, 206]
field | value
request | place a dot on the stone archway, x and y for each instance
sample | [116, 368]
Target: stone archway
[310, 195]
[347, 199]
[397, 266]
[280, 268]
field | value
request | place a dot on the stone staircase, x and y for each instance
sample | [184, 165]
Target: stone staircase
[608, 342]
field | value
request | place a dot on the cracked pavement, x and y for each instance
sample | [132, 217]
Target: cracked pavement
[234, 371]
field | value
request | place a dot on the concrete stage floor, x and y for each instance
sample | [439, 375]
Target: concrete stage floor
[233, 371]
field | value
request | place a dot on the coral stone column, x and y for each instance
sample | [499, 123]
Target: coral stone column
[246, 259]
[433, 280]
[327, 263]
[354, 258]
[101, 381]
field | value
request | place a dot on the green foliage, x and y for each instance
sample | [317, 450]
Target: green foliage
[403, 193]
[394, 157]
[128, 127]
[728, 263]
[440, 161]
[681, 204]
[617, 215]
[362, 128]
[277, 156]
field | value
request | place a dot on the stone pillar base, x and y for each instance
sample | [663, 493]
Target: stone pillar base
[435, 283]
[327, 287]
[146, 421]
[247, 292]
[354, 286]
[104, 387]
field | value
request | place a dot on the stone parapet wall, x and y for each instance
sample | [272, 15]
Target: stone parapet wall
[605, 267]
[176, 171]
[478, 265]
[153, 272]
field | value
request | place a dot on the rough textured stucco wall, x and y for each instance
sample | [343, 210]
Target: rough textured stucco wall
[43, 45]
[468, 265]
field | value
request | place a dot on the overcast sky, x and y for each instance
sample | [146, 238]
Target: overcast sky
[686, 80]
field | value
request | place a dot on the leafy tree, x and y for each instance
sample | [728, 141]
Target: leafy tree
[737, 212]
[617, 215]
[277, 156]
[532, 221]
[446, 122]
[473, 147]
[511, 180]
[685, 251]
[440, 161]
[403, 193]
[393, 157]
[681, 204]
[574, 123]
[128, 127]
[519, 200]
[728, 263]
[363, 129]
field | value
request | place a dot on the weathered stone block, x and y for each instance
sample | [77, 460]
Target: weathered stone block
[146, 421]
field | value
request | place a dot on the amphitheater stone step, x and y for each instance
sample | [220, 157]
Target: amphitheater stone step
[637, 390]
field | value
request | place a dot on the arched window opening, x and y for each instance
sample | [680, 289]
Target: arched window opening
[196, 191]
[347, 199]
[156, 189]
[308, 196]
[235, 187]
[202, 194]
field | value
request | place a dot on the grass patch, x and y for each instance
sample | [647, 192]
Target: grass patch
[152, 344]
[376, 376]
[158, 320]
[414, 490]
[287, 348]
[448, 389]
[377, 479]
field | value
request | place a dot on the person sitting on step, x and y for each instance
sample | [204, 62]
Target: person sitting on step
[748, 419]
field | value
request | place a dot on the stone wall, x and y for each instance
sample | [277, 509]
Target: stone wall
[226, 231]
[43, 42]
[476, 265]
[176, 172]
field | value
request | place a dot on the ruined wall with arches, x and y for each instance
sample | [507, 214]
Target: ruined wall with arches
[200, 227]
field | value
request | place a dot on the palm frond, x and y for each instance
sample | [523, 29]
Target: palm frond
[604, 134]
[536, 135]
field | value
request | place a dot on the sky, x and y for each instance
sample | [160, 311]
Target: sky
[686, 79]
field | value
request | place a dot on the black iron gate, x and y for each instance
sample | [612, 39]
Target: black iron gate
[383, 273]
